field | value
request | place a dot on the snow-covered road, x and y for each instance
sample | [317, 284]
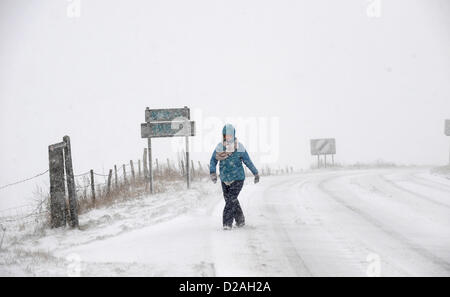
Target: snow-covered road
[389, 222]
[342, 223]
[357, 223]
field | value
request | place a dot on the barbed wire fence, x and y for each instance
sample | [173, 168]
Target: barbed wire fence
[20, 216]
[24, 180]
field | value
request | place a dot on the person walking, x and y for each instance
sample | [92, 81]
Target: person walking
[231, 154]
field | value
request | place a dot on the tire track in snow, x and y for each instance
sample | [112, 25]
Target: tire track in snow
[260, 239]
[288, 247]
[349, 252]
[442, 263]
[431, 183]
[417, 195]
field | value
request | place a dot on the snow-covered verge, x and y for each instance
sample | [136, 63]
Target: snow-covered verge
[32, 248]
[443, 171]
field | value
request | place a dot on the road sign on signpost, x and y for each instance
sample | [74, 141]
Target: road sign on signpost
[447, 132]
[168, 129]
[447, 127]
[170, 122]
[324, 146]
[169, 114]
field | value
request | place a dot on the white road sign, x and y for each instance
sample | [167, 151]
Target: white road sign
[326, 146]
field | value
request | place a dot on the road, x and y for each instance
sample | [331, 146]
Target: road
[347, 223]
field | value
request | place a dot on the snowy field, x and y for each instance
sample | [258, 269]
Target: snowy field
[368, 222]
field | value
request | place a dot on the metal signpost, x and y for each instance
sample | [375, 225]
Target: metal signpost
[447, 132]
[171, 122]
[325, 146]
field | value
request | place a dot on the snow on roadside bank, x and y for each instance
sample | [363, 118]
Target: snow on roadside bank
[43, 252]
[443, 171]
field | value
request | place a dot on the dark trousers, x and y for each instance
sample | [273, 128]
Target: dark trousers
[232, 208]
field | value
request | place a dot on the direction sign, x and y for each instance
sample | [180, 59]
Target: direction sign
[168, 129]
[326, 146]
[168, 122]
[168, 114]
[447, 127]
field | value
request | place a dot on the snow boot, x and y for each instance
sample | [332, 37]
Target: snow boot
[240, 225]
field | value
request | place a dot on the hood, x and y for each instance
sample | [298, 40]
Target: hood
[228, 129]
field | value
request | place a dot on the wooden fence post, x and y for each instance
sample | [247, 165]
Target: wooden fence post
[108, 191]
[92, 186]
[124, 174]
[57, 186]
[115, 177]
[132, 171]
[168, 166]
[188, 171]
[73, 205]
[139, 168]
[157, 167]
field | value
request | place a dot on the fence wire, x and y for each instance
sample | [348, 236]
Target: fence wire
[24, 180]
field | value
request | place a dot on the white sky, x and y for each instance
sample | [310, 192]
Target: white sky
[380, 86]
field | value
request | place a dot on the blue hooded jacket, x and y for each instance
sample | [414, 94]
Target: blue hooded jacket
[231, 168]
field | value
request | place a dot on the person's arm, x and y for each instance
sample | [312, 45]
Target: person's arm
[213, 163]
[212, 167]
[249, 163]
